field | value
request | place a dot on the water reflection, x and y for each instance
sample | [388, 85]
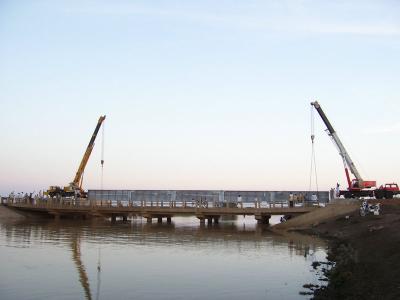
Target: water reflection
[59, 233]
[76, 257]
[159, 261]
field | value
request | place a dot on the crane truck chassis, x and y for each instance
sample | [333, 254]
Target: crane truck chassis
[357, 187]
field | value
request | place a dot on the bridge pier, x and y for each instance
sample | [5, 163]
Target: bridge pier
[202, 219]
[159, 217]
[124, 219]
[113, 218]
[210, 219]
[262, 219]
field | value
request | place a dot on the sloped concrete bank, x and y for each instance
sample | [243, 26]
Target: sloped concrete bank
[318, 216]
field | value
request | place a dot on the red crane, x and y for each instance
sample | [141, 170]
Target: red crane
[357, 187]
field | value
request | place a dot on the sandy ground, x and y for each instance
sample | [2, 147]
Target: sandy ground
[366, 253]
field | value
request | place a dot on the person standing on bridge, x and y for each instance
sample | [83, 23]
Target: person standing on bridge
[239, 201]
[291, 199]
[314, 198]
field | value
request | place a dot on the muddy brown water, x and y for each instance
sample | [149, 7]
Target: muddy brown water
[237, 259]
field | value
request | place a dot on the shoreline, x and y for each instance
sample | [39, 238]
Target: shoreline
[363, 253]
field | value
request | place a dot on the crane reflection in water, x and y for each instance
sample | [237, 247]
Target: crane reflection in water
[83, 277]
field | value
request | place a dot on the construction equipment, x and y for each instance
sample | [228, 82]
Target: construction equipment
[75, 187]
[357, 187]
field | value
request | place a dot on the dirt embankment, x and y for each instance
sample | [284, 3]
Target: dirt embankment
[9, 214]
[319, 215]
[366, 252]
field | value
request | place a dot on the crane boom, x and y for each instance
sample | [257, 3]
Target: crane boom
[88, 151]
[342, 150]
[75, 188]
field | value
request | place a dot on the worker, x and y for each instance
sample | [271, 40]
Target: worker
[314, 198]
[257, 203]
[337, 190]
[291, 199]
[301, 197]
[239, 201]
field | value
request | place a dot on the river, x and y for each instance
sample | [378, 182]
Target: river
[236, 259]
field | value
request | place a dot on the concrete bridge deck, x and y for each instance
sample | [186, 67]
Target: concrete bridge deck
[205, 210]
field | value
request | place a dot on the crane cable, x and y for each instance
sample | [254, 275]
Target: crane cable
[98, 275]
[101, 186]
[102, 157]
[313, 166]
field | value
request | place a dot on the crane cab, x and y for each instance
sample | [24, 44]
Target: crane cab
[357, 185]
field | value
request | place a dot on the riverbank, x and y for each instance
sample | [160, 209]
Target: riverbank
[365, 251]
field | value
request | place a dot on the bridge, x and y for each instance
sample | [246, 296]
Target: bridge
[205, 205]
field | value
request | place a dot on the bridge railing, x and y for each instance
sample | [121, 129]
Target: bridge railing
[46, 202]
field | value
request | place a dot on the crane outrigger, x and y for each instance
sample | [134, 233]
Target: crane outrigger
[357, 187]
[75, 187]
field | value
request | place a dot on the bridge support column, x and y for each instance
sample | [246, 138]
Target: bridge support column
[202, 219]
[125, 219]
[210, 219]
[168, 220]
[148, 217]
[113, 219]
[159, 220]
[262, 219]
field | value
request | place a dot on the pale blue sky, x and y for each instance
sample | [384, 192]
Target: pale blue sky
[204, 95]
